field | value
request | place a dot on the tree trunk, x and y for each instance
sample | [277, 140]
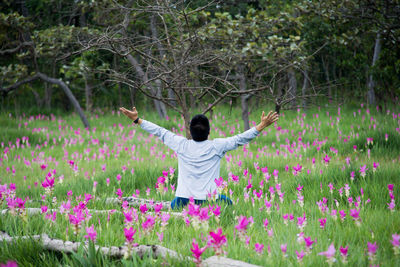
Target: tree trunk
[160, 48]
[60, 83]
[281, 93]
[37, 98]
[292, 91]
[47, 95]
[88, 94]
[244, 98]
[132, 93]
[325, 66]
[163, 110]
[304, 89]
[371, 81]
[143, 76]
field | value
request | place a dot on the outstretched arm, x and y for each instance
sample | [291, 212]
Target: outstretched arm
[167, 137]
[267, 120]
[225, 144]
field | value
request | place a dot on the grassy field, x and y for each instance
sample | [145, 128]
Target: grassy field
[319, 177]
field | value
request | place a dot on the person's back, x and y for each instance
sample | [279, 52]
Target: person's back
[199, 159]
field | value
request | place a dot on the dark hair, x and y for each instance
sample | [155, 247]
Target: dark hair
[199, 128]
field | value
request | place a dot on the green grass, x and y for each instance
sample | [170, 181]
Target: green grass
[146, 159]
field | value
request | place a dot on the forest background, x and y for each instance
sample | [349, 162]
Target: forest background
[193, 55]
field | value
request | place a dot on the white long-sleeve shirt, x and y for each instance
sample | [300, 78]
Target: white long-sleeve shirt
[198, 162]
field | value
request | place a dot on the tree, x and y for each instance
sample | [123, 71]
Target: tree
[37, 51]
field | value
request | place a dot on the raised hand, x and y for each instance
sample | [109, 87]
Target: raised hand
[267, 120]
[131, 114]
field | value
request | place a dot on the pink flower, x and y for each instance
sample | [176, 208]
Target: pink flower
[91, 233]
[148, 224]
[143, 208]
[390, 187]
[197, 252]
[9, 264]
[372, 248]
[158, 207]
[309, 242]
[259, 248]
[266, 224]
[396, 240]
[43, 209]
[355, 213]
[160, 236]
[164, 219]
[217, 241]
[322, 223]
[343, 253]
[243, 223]
[302, 221]
[300, 255]
[329, 254]
[129, 233]
[48, 183]
[284, 249]
[327, 159]
[119, 192]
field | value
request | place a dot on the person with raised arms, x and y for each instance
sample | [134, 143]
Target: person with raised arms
[199, 159]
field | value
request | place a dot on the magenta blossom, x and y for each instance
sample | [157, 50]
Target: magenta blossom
[9, 264]
[396, 243]
[197, 252]
[217, 240]
[91, 233]
[300, 255]
[343, 253]
[329, 254]
[372, 248]
[129, 233]
[259, 248]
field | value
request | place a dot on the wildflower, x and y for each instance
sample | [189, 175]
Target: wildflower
[343, 253]
[300, 256]
[284, 249]
[356, 216]
[375, 165]
[322, 223]
[363, 171]
[391, 205]
[390, 187]
[119, 193]
[329, 254]
[372, 248]
[197, 252]
[301, 222]
[148, 224]
[43, 209]
[9, 264]
[91, 233]
[352, 175]
[160, 236]
[259, 248]
[331, 188]
[309, 243]
[266, 224]
[326, 159]
[217, 241]
[396, 243]
[143, 208]
[297, 169]
[242, 225]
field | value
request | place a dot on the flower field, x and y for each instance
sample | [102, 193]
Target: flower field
[317, 188]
